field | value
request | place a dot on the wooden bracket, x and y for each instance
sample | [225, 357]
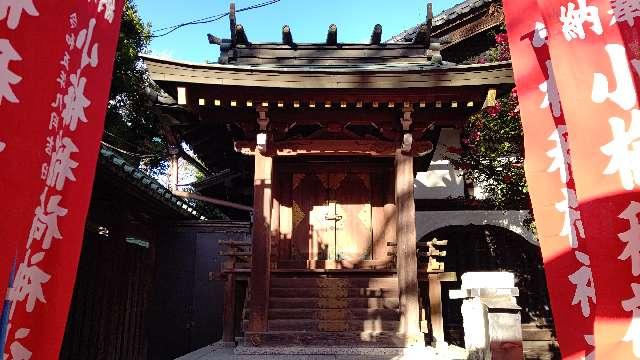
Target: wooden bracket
[491, 98]
[406, 120]
[263, 121]
[407, 141]
[407, 138]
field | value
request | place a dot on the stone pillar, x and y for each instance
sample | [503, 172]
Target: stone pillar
[261, 246]
[491, 316]
[407, 262]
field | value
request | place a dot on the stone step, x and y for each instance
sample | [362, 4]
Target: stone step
[323, 338]
[335, 314]
[333, 325]
[333, 282]
[333, 303]
[317, 292]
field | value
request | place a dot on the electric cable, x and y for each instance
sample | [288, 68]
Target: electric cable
[169, 29]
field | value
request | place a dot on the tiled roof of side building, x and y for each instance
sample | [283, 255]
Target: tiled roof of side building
[442, 18]
[147, 184]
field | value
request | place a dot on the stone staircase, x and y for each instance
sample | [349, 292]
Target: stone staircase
[324, 310]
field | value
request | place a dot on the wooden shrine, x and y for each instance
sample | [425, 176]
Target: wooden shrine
[333, 130]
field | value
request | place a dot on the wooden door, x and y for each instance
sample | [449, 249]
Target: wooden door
[353, 236]
[331, 217]
[311, 233]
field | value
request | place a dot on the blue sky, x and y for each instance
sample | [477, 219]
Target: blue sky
[309, 21]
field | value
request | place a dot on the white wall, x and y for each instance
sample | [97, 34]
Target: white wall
[428, 221]
[441, 180]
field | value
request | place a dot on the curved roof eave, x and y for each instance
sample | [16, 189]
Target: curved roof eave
[348, 76]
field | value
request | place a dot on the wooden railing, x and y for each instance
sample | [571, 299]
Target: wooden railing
[236, 254]
[430, 256]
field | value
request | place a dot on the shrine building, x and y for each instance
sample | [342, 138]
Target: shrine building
[339, 154]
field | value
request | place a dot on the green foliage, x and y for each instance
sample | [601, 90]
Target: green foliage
[130, 123]
[492, 154]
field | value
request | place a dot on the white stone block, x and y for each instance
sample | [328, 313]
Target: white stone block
[494, 280]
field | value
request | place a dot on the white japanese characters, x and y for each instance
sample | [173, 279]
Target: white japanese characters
[559, 153]
[28, 282]
[624, 150]
[633, 305]
[61, 165]
[583, 279]
[45, 223]
[572, 225]
[625, 93]
[540, 35]
[108, 6]
[12, 11]
[68, 113]
[550, 89]
[574, 17]
[624, 11]
[631, 237]
[7, 77]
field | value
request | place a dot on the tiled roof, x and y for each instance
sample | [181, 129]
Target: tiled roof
[147, 184]
[442, 18]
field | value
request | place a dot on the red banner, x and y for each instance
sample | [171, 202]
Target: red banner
[596, 56]
[563, 241]
[594, 50]
[56, 60]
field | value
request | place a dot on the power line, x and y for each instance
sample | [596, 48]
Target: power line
[169, 29]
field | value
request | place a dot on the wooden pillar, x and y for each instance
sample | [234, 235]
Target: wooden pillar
[261, 247]
[275, 223]
[407, 262]
[435, 309]
[229, 329]
[435, 305]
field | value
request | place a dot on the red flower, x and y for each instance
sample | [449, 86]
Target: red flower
[502, 39]
[507, 178]
[454, 150]
[492, 110]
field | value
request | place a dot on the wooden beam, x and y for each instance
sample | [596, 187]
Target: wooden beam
[218, 202]
[332, 35]
[214, 40]
[334, 147]
[261, 248]
[232, 23]
[376, 35]
[407, 262]
[173, 168]
[287, 36]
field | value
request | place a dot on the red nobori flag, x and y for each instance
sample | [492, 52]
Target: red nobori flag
[563, 239]
[596, 58]
[56, 60]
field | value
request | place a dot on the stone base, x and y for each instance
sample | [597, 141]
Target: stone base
[339, 352]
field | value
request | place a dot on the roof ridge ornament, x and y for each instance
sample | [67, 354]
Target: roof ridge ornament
[332, 35]
[376, 35]
[287, 36]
